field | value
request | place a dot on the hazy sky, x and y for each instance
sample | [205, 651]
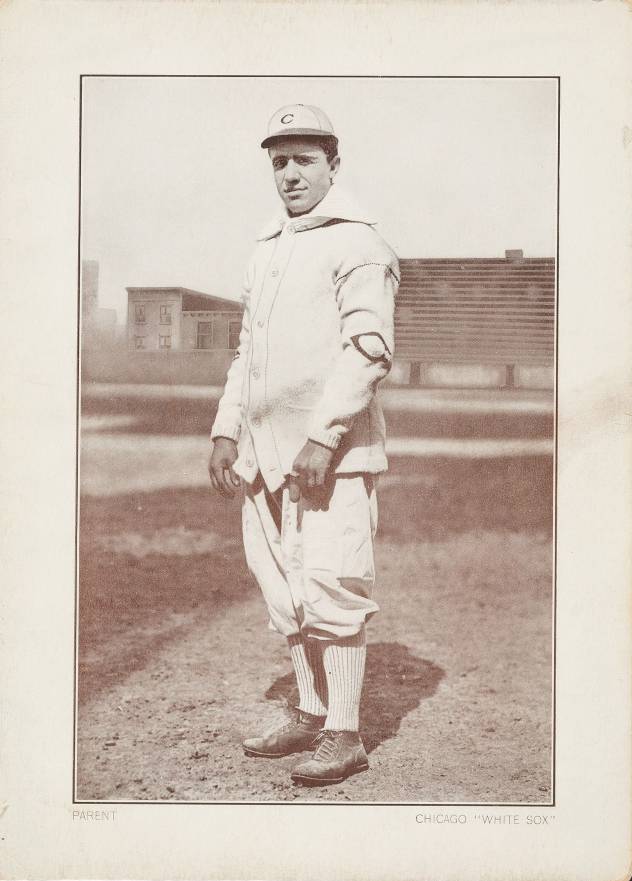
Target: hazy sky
[175, 185]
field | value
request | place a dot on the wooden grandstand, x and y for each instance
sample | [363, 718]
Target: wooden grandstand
[476, 311]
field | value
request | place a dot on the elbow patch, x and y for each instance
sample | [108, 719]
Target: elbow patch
[373, 347]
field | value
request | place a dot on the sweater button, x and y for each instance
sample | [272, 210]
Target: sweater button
[260, 323]
[249, 463]
[255, 372]
[274, 273]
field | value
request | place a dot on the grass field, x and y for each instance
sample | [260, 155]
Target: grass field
[176, 664]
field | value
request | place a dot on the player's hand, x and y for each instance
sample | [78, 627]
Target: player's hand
[220, 466]
[309, 470]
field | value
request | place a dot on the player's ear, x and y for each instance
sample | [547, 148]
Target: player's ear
[334, 165]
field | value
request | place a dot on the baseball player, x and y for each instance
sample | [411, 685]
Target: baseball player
[299, 427]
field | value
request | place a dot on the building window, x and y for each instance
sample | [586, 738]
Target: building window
[165, 314]
[139, 342]
[204, 335]
[139, 313]
[234, 329]
[164, 342]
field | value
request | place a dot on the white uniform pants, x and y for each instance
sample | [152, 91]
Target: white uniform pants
[314, 565]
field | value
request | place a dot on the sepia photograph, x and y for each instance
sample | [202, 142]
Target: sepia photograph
[316, 443]
[316, 382]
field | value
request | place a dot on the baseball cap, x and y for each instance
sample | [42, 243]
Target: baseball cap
[298, 119]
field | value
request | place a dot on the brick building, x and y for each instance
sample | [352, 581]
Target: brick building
[181, 320]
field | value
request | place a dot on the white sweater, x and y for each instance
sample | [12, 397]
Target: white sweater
[314, 287]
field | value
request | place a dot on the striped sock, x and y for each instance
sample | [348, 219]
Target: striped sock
[344, 661]
[310, 675]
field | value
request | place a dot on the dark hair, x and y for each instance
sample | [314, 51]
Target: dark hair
[329, 145]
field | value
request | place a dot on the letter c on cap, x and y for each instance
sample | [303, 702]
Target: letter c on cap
[287, 118]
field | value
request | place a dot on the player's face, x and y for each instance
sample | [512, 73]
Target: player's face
[302, 173]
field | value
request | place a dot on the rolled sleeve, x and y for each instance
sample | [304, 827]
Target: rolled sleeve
[366, 300]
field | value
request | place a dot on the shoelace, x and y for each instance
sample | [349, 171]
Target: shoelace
[326, 745]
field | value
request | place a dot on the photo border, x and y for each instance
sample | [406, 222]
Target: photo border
[321, 804]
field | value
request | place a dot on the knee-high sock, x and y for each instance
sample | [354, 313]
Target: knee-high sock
[344, 662]
[310, 675]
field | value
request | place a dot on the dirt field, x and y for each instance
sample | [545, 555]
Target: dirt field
[177, 665]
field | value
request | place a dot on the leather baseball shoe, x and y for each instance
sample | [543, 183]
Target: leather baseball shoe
[295, 736]
[338, 755]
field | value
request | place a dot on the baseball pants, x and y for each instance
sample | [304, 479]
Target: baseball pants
[313, 560]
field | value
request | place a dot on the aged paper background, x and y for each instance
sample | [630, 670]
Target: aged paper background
[46, 46]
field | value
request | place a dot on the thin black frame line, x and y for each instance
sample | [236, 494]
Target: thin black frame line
[555, 444]
[77, 442]
[323, 803]
[323, 76]
[556, 77]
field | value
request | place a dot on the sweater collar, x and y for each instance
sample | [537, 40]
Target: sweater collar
[336, 205]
